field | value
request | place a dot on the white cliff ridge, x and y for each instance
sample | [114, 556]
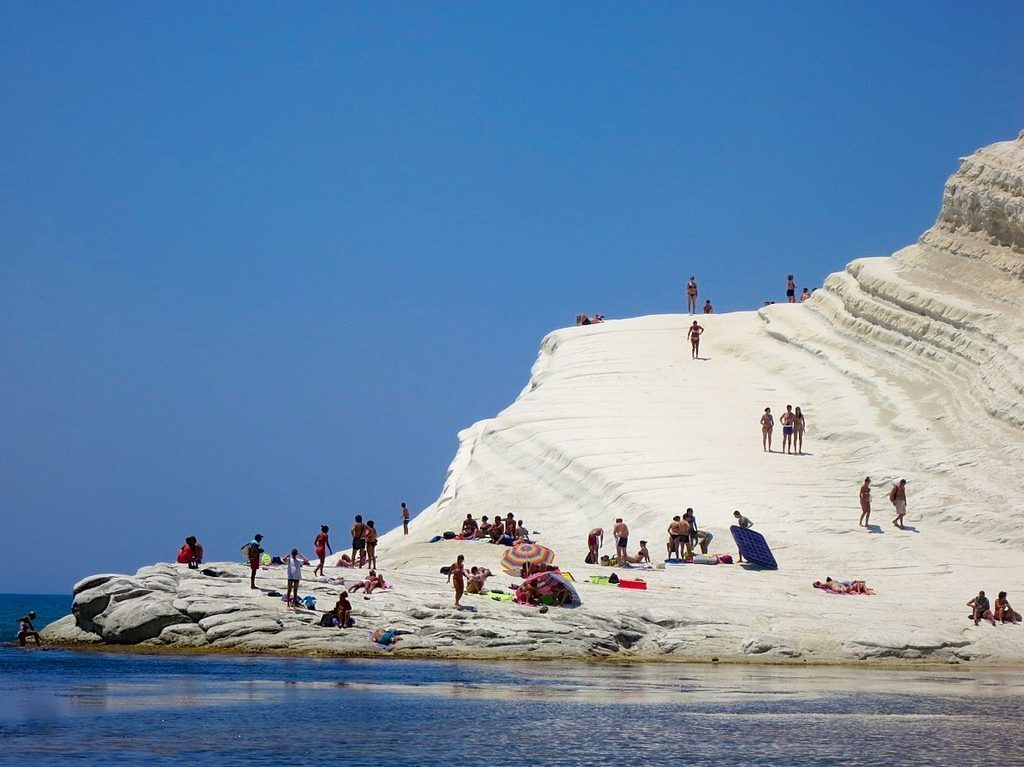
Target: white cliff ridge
[910, 366]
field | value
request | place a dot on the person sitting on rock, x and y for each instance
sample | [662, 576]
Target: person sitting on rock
[191, 553]
[342, 611]
[643, 555]
[1004, 612]
[470, 528]
[521, 535]
[26, 630]
[980, 609]
[477, 578]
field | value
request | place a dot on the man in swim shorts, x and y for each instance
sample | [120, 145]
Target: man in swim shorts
[790, 289]
[898, 496]
[621, 533]
[675, 537]
[786, 419]
[359, 541]
[252, 552]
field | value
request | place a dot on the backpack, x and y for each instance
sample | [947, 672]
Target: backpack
[245, 550]
[892, 494]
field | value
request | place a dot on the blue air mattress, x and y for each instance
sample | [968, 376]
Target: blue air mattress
[753, 547]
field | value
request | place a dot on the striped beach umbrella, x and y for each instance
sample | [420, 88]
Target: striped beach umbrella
[526, 553]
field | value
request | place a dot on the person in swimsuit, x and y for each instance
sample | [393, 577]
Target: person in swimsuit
[252, 553]
[865, 502]
[405, 519]
[470, 529]
[370, 535]
[1003, 612]
[898, 496]
[456, 576]
[675, 537]
[743, 523]
[595, 539]
[322, 545]
[697, 537]
[477, 579]
[26, 630]
[790, 289]
[786, 419]
[708, 308]
[358, 542]
[643, 555]
[980, 609]
[805, 295]
[695, 331]
[798, 430]
[691, 295]
[510, 529]
[343, 610]
[621, 533]
[767, 424]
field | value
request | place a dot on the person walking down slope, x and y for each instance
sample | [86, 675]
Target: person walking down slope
[691, 295]
[898, 497]
[695, 331]
[865, 502]
[767, 424]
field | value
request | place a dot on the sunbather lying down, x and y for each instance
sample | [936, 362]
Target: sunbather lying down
[844, 587]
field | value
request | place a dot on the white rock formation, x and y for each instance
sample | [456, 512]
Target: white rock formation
[907, 366]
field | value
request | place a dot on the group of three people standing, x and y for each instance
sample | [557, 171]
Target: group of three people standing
[793, 424]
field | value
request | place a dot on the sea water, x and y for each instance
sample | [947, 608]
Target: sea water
[95, 708]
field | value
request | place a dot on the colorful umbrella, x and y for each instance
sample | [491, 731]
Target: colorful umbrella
[526, 553]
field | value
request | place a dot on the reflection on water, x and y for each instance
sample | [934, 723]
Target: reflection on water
[153, 710]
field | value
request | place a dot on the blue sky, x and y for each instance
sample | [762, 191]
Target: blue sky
[259, 262]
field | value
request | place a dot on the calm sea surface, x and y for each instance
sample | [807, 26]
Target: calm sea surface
[60, 707]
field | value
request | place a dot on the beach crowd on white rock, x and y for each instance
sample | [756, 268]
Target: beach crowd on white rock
[908, 366]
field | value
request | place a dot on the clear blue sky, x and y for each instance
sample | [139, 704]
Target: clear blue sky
[260, 262]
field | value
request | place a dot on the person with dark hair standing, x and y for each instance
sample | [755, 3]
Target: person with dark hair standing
[865, 502]
[322, 544]
[691, 295]
[767, 424]
[26, 630]
[898, 497]
[252, 552]
[790, 289]
[370, 533]
[358, 541]
[405, 519]
[457, 577]
[695, 333]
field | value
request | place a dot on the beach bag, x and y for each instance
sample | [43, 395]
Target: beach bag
[590, 559]
[245, 550]
[308, 602]
[327, 620]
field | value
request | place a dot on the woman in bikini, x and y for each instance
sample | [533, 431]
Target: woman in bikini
[798, 430]
[695, 331]
[322, 544]
[691, 295]
[865, 502]
[370, 535]
[1003, 612]
[767, 424]
[457, 577]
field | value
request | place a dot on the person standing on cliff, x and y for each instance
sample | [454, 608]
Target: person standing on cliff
[790, 289]
[457, 577]
[252, 552]
[767, 424]
[691, 295]
[359, 541]
[898, 497]
[294, 562]
[595, 538]
[865, 502]
[621, 534]
[405, 519]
